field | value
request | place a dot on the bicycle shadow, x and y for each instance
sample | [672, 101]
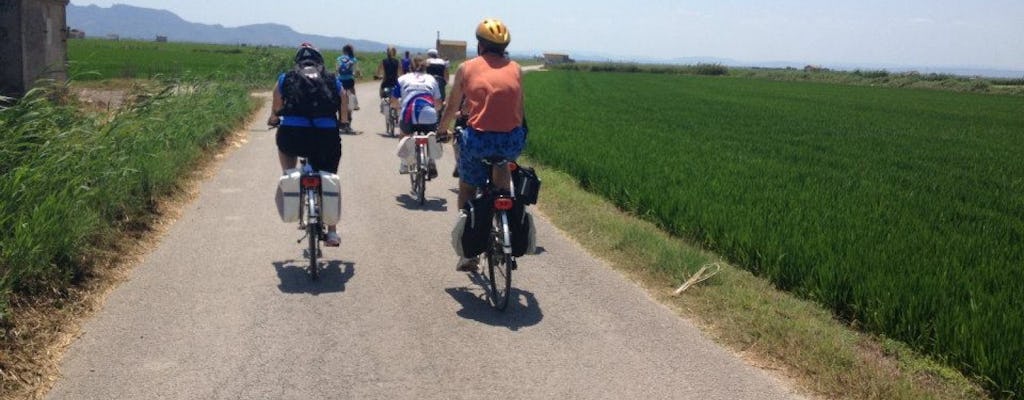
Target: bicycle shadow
[295, 277]
[523, 309]
[432, 204]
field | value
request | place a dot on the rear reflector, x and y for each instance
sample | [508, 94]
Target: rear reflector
[503, 203]
[421, 140]
[310, 181]
[512, 166]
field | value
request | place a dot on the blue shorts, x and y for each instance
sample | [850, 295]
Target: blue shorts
[474, 146]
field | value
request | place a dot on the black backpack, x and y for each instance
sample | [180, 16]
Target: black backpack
[309, 91]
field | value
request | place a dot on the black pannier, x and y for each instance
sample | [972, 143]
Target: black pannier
[473, 229]
[527, 185]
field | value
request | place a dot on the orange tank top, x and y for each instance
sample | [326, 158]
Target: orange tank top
[493, 90]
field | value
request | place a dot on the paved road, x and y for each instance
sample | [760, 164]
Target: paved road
[223, 309]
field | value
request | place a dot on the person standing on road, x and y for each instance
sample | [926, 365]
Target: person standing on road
[309, 106]
[490, 87]
[348, 71]
[438, 68]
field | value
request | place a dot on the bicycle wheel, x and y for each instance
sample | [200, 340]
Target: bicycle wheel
[420, 183]
[313, 231]
[392, 118]
[499, 271]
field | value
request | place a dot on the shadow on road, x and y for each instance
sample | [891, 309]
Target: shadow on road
[388, 135]
[523, 309]
[435, 204]
[295, 277]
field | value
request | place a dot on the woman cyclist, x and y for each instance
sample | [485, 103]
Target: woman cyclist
[387, 70]
[417, 99]
[309, 120]
[347, 73]
[490, 88]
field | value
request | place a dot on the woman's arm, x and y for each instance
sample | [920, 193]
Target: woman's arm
[454, 98]
[275, 106]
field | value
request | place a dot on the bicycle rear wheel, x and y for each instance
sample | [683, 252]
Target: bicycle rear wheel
[313, 231]
[499, 273]
[392, 119]
[419, 185]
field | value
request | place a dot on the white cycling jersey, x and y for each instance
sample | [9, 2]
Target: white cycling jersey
[413, 89]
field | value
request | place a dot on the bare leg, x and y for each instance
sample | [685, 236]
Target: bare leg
[287, 161]
[466, 192]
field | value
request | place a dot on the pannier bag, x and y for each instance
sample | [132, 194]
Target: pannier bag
[407, 149]
[330, 195]
[472, 229]
[287, 197]
[527, 185]
[522, 230]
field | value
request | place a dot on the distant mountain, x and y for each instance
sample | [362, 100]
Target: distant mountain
[146, 24]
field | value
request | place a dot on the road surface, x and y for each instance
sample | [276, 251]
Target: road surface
[224, 309]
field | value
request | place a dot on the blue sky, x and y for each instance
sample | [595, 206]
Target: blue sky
[938, 33]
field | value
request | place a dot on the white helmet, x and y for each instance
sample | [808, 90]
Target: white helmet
[432, 52]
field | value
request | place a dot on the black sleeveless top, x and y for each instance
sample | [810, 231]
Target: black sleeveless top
[390, 71]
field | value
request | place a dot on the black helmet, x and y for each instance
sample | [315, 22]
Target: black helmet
[308, 54]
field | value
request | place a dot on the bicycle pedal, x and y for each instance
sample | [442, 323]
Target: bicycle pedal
[305, 253]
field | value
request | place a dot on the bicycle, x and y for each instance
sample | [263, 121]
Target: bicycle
[422, 171]
[390, 114]
[500, 261]
[310, 215]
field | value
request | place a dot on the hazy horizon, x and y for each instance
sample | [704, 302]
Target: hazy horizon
[939, 34]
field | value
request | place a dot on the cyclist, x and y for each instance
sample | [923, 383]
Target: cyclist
[438, 68]
[406, 63]
[347, 73]
[416, 97]
[490, 85]
[387, 71]
[308, 120]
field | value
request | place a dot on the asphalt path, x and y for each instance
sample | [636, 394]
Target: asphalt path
[223, 307]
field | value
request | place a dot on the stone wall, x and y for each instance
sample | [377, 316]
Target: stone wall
[33, 43]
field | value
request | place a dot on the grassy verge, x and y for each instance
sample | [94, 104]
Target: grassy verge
[76, 186]
[769, 327]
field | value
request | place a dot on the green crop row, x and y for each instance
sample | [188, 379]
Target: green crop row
[902, 210]
[68, 180]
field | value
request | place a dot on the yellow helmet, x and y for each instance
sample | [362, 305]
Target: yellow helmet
[494, 31]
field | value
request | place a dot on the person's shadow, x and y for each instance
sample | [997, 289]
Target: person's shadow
[431, 204]
[295, 277]
[523, 309]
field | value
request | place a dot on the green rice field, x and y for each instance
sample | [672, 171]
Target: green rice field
[98, 59]
[902, 210]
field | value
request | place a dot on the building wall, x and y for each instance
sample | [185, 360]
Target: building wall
[451, 51]
[38, 45]
[11, 63]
